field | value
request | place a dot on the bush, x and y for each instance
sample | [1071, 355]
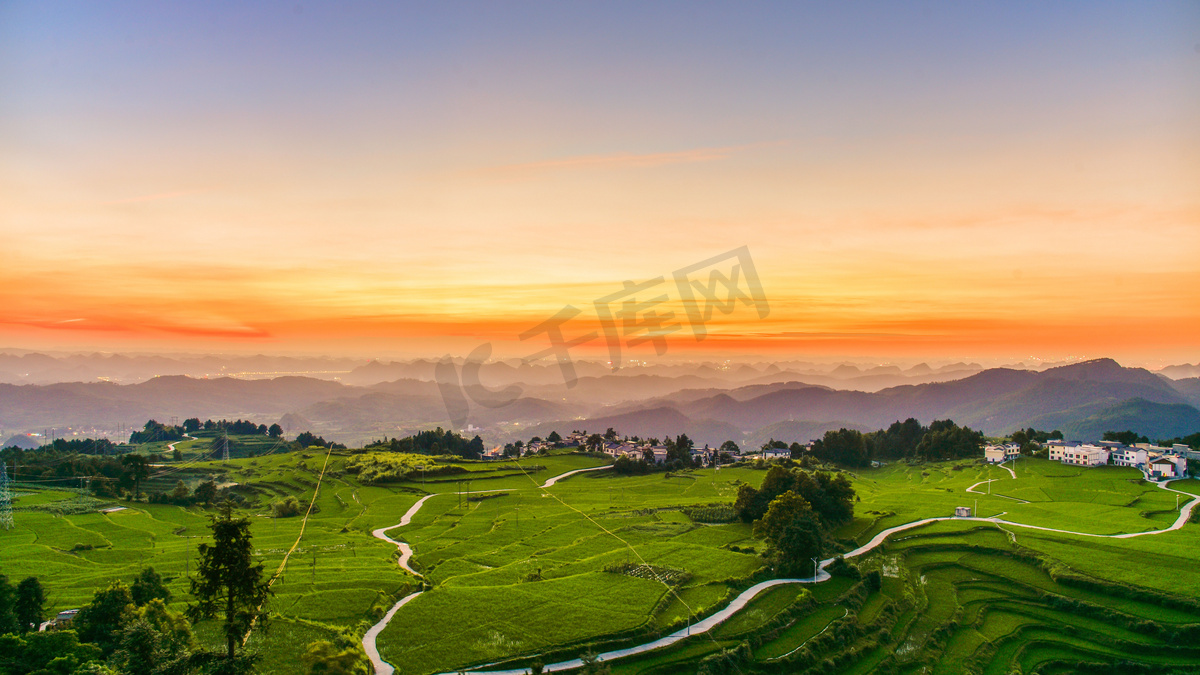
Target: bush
[840, 568]
[287, 508]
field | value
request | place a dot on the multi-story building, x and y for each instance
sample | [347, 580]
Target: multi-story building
[1167, 466]
[1123, 455]
[1084, 454]
[995, 454]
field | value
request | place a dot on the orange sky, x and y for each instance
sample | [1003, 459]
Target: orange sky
[991, 183]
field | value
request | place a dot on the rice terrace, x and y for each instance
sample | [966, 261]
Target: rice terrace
[563, 560]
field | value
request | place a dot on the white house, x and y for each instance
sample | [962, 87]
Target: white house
[776, 453]
[1083, 455]
[1123, 455]
[1167, 466]
[962, 512]
[1058, 448]
[995, 454]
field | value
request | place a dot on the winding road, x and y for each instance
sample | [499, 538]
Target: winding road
[380, 666]
[383, 668]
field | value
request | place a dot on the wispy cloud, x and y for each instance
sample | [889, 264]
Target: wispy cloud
[630, 160]
[156, 197]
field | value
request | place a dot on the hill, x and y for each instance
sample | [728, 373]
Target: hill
[1155, 420]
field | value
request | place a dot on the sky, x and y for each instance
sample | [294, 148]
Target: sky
[999, 180]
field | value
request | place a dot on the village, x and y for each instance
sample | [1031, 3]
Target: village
[1157, 462]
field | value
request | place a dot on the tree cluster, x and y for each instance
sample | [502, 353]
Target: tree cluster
[943, 439]
[435, 442]
[1191, 440]
[307, 439]
[1125, 437]
[155, 431]
[795, 510]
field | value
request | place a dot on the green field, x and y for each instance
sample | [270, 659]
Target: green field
[601, 561]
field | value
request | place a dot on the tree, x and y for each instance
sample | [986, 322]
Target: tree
[191, 424]
[844, 446]
[28, 607]
[180, 492]
[947, 440]
[227, 581]
[275, 431]
[149, 586]
[474, 449]
[898, 440]
[782, 510]
[156, 642]
[205, 492]
[8, 607]
[101, 621]
[730, 447]
[1128, 437]
[289, 507]
[680, 449]
[554, 438]
[343, 655]
[793, 532]
[592, 665]
[610, 435]
[138, 469]
[58, 651]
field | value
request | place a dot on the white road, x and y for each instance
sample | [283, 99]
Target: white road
[707, 624]
[380, 666]
[568, 474]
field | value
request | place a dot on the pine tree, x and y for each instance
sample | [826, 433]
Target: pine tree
[227, 581]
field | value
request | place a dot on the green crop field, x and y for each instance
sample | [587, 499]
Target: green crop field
[512, 572]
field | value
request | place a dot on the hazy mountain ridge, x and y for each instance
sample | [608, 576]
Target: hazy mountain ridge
[670, 401]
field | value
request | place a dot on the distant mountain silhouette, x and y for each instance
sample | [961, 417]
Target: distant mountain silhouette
[655, 401]
[1186, 370]
[1155, 420]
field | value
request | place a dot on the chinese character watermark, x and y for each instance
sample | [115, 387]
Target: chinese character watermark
[629, 317]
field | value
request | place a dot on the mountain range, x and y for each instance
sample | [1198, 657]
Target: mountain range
[710, 405]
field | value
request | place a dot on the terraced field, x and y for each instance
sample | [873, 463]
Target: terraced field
[602, 561]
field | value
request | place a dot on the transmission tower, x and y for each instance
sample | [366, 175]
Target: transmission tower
[225, 452]
[6, 519]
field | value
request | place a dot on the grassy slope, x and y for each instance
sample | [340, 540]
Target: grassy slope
[479, 558]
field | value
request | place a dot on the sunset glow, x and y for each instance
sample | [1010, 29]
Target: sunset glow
[396, 180]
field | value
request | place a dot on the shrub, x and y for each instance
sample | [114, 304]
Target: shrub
[287, 508]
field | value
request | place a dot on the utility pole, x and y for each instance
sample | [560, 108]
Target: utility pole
[815, 570]
[225, 454]
[6, 517]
